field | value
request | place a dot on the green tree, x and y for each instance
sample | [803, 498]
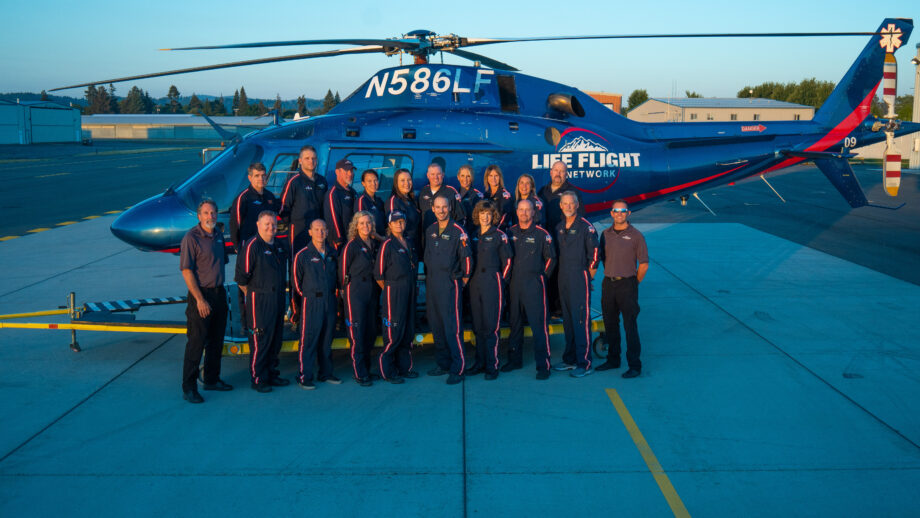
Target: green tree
[328, 102]
[636, 98]
[133, 102]
[809, 92]
[194, 105]
[692, 95]
[260, 109]
[243, 105]
[113, 101]
[90, 94]
[173, 95]
[302, 106]
[277, 105]
[904, 107]
[44, 95]
[236, 101]
[337, 98]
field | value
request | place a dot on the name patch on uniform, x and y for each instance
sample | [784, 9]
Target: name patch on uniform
[627, 237]
[445, 236]
[572, 231]
[531, 240]
[487, 238]
[402, 250]
[315, 259]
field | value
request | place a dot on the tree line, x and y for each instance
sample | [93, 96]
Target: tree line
[101, 100]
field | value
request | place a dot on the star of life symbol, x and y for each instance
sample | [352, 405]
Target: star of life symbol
[891, 38]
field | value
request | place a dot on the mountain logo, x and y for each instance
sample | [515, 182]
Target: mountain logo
[581, 144]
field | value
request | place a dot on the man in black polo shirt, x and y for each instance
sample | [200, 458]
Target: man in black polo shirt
[201, 259]
[625, 258]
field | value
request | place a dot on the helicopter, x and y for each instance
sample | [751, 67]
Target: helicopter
[490, 113]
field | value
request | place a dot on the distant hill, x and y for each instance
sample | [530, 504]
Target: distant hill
[290, 104]
[62, 99]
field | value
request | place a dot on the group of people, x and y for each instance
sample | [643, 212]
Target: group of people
[358, 256]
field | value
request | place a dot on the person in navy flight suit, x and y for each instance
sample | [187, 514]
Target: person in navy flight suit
[624, 255]
[202, 257]
[314, 281]
[496, 193]
[261, 272]
[447, 270]
[339, 206]
[402, 199]
[436, 187]
[395, 274]
[302, 198]
[370, 202]
[244, 212]
[525, 190]
[576, 241]
[469, 195]
[491, 272]
[550, 194]
[360, 293]
[534, 260]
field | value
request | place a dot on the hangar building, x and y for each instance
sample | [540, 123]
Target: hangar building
[715, 109]
[167, 127]
[36, 122]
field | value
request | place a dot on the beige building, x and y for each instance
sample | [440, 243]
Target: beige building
[716, 109]
[612, 101]
[167, 127]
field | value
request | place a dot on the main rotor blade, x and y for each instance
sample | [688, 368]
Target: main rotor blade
[347, 41]
[358, 50]
[470, 42]
[485, 60]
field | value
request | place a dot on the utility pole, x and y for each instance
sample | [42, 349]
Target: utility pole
[915, 141]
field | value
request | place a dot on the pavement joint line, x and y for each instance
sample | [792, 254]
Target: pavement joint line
[664, 483]
[790, 356]
[52, 174]
[87, 398]
[64, 272]
[374, 474]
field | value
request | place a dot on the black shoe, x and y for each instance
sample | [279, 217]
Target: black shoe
[606, 366]
[631, 373]
[364, 382]
[396, 380]
[437, 371]
[453, 379]
[279, 382]
[331, 379]
[543, 375]
[192, 396]
[411, 375]
[491, 376]
[508, 367]
[218, 385]
[307, 385]
[261, 388]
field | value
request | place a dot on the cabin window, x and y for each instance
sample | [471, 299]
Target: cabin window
[507, 92]
[734, 116]
[709, 116]
[756, 117]
[797, 117]
[693, 116]
[385, 165]
[220, 179]
[283, 167]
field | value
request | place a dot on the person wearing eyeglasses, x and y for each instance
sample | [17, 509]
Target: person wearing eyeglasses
[624, 255]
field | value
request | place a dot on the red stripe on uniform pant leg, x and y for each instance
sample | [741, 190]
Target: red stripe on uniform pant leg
[457, 320]
[255, 340]
[545, 328]
[587, 320]
[351, 329]
[389, 335]
[498, 318]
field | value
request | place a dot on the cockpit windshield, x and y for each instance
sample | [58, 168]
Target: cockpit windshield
[222, 178]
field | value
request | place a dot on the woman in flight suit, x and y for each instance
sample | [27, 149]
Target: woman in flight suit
[360, 293]
[395, 274]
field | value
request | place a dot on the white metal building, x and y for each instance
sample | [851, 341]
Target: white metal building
[167, 126]
[36, 122]
[716, 109]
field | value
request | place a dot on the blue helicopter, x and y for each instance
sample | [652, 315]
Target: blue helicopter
[412, 116]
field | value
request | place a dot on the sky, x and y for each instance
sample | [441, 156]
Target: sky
[46, 44]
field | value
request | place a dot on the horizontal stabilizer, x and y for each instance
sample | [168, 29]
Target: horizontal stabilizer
[817, 155]
[224, 134]
[840, 174]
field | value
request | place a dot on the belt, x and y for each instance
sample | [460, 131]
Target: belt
[619, 278]
[215, 288]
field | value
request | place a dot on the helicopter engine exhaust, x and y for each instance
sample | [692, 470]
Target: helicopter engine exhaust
[565, 103]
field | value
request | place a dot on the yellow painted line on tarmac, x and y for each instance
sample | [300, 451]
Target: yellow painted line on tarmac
[7, 238]
[50, 175]
[664, 483]
[37, 230]
[130, 166]
[65, 223]
[91, 217]
[113, 212]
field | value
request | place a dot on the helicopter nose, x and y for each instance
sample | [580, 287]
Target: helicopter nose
[157, 223]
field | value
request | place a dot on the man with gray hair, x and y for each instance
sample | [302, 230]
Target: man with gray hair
[202, 257]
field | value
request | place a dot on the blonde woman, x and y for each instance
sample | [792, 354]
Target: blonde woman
[496, 193]
[360, 293]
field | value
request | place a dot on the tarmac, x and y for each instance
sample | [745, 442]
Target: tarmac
[778, 380]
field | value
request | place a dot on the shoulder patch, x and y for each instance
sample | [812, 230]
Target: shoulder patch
[506, 195]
